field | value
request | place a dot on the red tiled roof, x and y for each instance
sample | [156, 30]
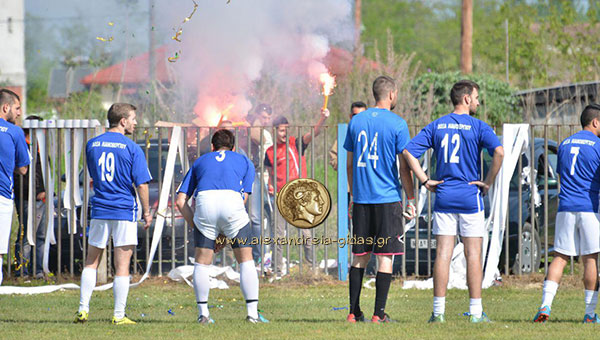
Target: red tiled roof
[339, 62]
[136, 70]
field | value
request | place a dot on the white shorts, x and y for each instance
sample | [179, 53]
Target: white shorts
[220, 212]
[577, 233]
[6, 214]
[466, 225]
[124, 233]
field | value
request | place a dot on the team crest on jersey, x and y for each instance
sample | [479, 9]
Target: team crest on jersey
[374, 113]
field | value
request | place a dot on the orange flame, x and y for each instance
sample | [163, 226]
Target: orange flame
[328, 84]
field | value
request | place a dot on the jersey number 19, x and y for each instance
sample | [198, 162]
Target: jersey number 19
[107, 166]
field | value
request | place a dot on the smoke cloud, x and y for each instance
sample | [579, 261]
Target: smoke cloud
[225, 48]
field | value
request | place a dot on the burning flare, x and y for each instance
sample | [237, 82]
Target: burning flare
[328, 82]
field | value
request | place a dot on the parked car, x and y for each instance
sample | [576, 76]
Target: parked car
[531, 233]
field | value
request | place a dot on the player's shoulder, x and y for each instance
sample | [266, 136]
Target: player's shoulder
[11, 129]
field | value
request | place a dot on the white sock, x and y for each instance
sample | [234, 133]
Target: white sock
[550, 288]
[439, 305]
[591, 299]
[88, 282]
[201, 288]
[475, 307]
[249, 286]
[1, 275]
[120, 291]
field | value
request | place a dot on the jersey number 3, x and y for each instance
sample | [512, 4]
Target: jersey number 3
[372, 155]
[107, 165]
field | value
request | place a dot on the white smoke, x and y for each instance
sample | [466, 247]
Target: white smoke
[226, 47]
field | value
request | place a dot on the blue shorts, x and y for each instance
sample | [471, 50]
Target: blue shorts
[201, 241]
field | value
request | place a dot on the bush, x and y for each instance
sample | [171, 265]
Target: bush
[498, 103]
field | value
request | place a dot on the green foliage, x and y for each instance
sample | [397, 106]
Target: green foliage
[498, 105]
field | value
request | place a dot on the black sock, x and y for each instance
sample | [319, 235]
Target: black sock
[356, 277]
[382, 286]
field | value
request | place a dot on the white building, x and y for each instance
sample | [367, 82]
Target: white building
[12, 46]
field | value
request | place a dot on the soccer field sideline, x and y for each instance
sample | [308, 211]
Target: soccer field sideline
[306, 311]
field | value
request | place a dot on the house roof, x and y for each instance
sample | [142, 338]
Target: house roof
[135, 69]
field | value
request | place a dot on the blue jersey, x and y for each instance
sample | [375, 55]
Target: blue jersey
[376, 136]
[14, 154]
[219, 170]
[115, 164]
[579, 170]
[457, 141]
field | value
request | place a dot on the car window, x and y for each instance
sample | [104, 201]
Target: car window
[153, 160]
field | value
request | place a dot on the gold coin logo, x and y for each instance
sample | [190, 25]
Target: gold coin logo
[304, 203]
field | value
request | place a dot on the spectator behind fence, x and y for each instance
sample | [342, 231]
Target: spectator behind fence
[297, 169]
[23, 257]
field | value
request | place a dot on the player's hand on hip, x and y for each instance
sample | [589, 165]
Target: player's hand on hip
[482, 186]
[431, 185]
[147, 220]
[410, 210]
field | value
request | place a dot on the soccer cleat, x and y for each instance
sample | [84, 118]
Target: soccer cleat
[440, 318]
[123, 321]
[260, 319]
[205, 320]
[81, 317]
[377, 320]
[543, 314]
[354, 319]
[591, 318]
[482, 318]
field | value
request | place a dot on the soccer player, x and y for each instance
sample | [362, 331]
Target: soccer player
[220, 181]
[375, 140]
[577, 219]
[14, 156]
[457, 140]
[116, 164]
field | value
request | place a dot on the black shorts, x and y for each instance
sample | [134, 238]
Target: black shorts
[201, 241]
[376, 228]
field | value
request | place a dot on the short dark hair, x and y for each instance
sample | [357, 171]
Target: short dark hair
[382, 86]
[258, 110]
[34, 117]
[223, 138]
[280, 120]
[359, 105]
[118, 111]
[8, 97]
[590, 113]
[462, 88]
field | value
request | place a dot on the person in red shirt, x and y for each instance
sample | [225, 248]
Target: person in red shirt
[296, 165]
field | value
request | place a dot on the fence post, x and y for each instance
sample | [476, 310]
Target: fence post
[342, 194]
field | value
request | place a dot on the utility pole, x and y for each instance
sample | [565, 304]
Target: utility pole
[357, 27]
[151, 45]
[466, 37]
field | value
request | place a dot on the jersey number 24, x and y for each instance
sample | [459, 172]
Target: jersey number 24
[372, 155]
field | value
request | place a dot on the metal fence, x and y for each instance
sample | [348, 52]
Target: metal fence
[528, 234]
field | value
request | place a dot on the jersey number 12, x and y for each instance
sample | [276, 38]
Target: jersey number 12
[107, 165]
[456, 142]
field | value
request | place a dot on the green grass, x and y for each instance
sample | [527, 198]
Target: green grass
[296, 311]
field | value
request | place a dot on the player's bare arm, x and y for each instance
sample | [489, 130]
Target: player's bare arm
[496, 164]
[349, 169]
[407, 184]
[22, 170]
[184, 208]
[145, 200]
[414, 165]
[307, 138]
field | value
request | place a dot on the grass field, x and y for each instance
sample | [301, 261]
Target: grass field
[303, 311]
